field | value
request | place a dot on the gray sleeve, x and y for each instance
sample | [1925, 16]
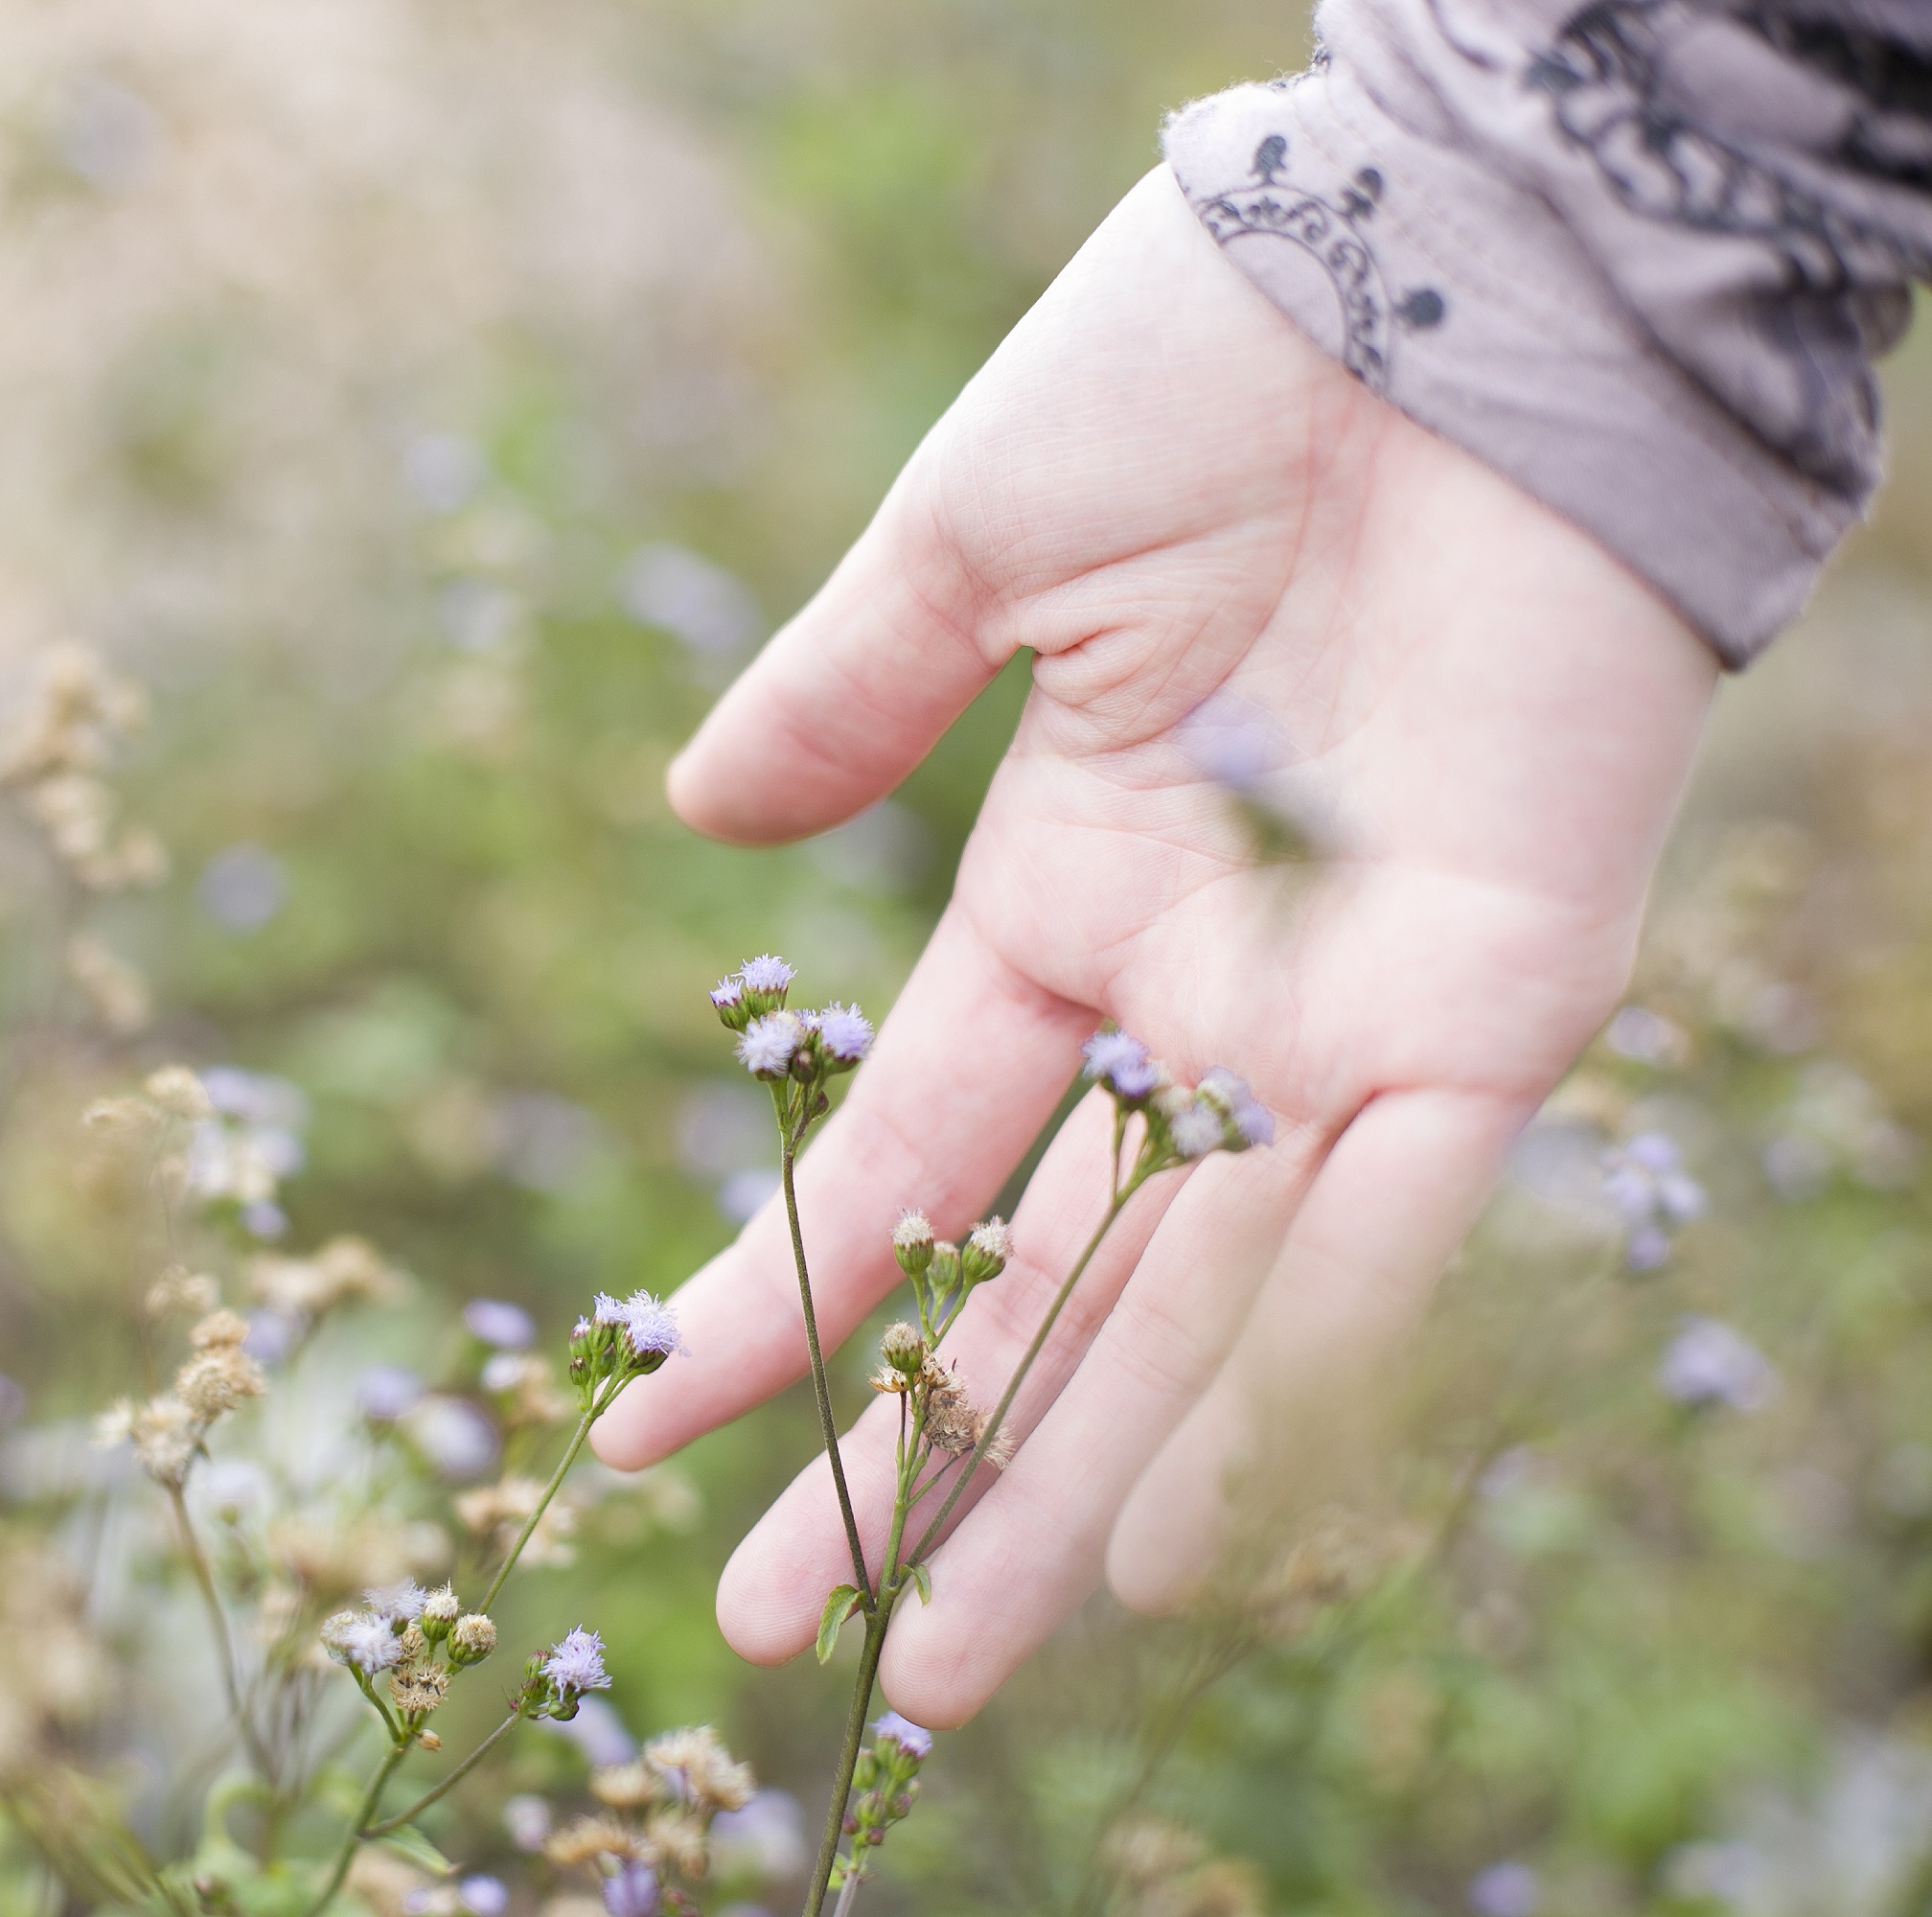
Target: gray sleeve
[1637, 257]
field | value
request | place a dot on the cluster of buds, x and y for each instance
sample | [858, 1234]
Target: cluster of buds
[777, 1044]
[416, 1641]
[623, 1338]
[944, 1275]
[169, 1432]
[884, 1784]
[1219, 1114]
[81, 712]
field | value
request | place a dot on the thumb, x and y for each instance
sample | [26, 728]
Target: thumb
[850, 695]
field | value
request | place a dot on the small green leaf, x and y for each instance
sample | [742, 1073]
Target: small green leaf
[410, 1842]
[839, 1606]
[923, 1579]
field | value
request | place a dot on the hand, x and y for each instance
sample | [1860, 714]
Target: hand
[1162, 488]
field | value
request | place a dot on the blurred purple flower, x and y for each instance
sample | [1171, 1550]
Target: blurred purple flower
[1710, 1364]
[497, 1321]
[484, 1896]
[1119, 1061]
[385, 1393]
[1507, 1889]
[633, 1892]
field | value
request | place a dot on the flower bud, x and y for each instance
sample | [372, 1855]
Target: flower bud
[472, 1637]
[903, 1347]
[440, 1611]
[429, 1741]
[944, 1272]
[912, 1243]
[727, 999]
[987, 1249]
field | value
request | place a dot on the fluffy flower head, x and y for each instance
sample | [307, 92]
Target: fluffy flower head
[362, 1639]
[1119, 1061]
[576, 1663]
[767, 1044]
[649, 1323]
[913, 1230]
[400, 1602]
[1251, 1117]
[767, 973]
[845, 1032]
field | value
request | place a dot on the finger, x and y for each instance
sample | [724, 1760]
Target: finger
[849, 696]
[1033, 1550]
[770, 1596]
[965, 1071]
[1398, 1194]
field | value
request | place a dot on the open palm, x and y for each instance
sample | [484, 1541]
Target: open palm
[1172, 497]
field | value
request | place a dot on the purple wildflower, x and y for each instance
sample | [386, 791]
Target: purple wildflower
[767, 973]
[728, 992]
[1710, 1364]
[766, 1046]
[633, 1892]
[1197, 1128]
[845, 1032]
[649, 1323]
[576, 1663]
[914, 1742]
[499, 1323]
[1229, 1089]
[387, 1392]
[483, 1895]
[1119, 1061]
[1507, 1889]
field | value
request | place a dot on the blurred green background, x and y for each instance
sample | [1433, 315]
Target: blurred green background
[432, 407]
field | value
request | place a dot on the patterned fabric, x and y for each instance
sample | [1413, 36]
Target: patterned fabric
[1637, 256]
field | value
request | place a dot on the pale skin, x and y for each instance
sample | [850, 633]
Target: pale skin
[1166, 490]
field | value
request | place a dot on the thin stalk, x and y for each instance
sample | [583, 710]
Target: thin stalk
[848, 1755]
[542, 1505]
[351, 1837]
[848, 1895]
[827, 1423]
[1115, 1205]
[456, 1777]
[218, 1621]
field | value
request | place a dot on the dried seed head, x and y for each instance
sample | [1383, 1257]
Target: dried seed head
[220, 1330]
[627, 1787]
[214, 1382]
[179, 1289]
[419, 1688]
[701, 1771]
[180, 1094]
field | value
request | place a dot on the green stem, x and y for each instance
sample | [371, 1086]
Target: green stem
[456, 1777]
[849, 1756]
[822, 1390]
[345, 1853]
[569, 1458]
[1115, 1205]
[224, 1647]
